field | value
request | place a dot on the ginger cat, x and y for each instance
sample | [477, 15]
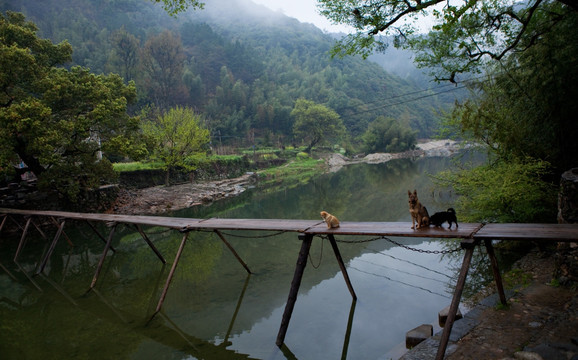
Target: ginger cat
[330, 220]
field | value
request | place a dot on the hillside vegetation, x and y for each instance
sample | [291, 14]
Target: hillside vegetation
[239, 64]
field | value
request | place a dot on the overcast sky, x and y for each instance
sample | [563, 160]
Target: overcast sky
[306, 11]
[302, 10]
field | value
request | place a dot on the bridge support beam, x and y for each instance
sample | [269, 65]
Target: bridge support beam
[171, 273]
[496, 271]
[342, 265]
[233, 251]
[104, 252]
[469, 245]
[295, 284]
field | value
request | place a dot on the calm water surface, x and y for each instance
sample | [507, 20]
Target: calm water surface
[213, 309]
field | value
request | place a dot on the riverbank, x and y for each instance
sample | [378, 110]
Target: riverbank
[161, 199]
[540, 321]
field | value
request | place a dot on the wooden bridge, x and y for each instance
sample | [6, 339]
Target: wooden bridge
[471, 235]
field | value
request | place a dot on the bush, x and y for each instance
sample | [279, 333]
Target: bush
[504, 191]
[302, 156]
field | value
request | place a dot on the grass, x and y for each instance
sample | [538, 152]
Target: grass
[136, 165]
[291, 174]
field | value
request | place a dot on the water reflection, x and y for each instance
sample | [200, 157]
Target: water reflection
[213, 309]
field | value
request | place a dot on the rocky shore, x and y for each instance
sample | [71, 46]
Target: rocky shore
[540, 323]
[426, 149]
[161, 199]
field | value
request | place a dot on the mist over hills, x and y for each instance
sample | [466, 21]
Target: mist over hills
[240, 64]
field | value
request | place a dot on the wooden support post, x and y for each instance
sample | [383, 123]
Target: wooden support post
[150, 243]
[55, 222]
[52, 246]
[59, 289]
[496, 270]
[22, 239]
[4, 218]
[469, 245]
[233, 251]
[171, 273]
[239, 302]
[7, 271]
[98, 234]
[348, 332]
[342, 265]
[39, 229]
[295, 284]
[102, 258]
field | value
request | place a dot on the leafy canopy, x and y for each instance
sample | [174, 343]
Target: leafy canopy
[58, 122]
[173, 7]
[524, 111]
[466, 35]
[176, 135]
[503, 191]
[315, 123]
[387, 135]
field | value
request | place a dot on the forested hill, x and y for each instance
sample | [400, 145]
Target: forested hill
[240, 64]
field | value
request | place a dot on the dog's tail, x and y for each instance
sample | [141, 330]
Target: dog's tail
[451, 210]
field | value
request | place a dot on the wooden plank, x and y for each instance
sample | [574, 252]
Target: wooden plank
[171, 222]
[255, 224]
[556, 232]
[465, 230]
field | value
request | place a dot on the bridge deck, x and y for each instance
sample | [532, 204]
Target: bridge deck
[553, 232]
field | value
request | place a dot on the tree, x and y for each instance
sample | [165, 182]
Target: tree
[57, 121]
[163, 60]
[525, 113]
[124, 56]
[315, 123]
[504, 191]
[176, 135]
[467, 34]
[174, 7]
[387, 135]
[527, 107]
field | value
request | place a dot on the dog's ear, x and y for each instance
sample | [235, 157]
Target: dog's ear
[408, 193]
[415, 192]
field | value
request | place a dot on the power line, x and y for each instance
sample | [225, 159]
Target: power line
[454, 88]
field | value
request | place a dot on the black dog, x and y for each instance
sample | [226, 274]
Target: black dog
[439, 218]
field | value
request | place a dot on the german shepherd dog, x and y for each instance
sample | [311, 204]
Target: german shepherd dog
[419, 215]
[439, 218]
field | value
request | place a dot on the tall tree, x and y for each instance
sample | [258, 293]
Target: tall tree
[315, 123]
[163, 61]
[57, 121]
[176, 135]
[125, 53]
[526, 106]
[525, 112]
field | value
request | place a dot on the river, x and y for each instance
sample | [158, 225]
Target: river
[213, 309]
